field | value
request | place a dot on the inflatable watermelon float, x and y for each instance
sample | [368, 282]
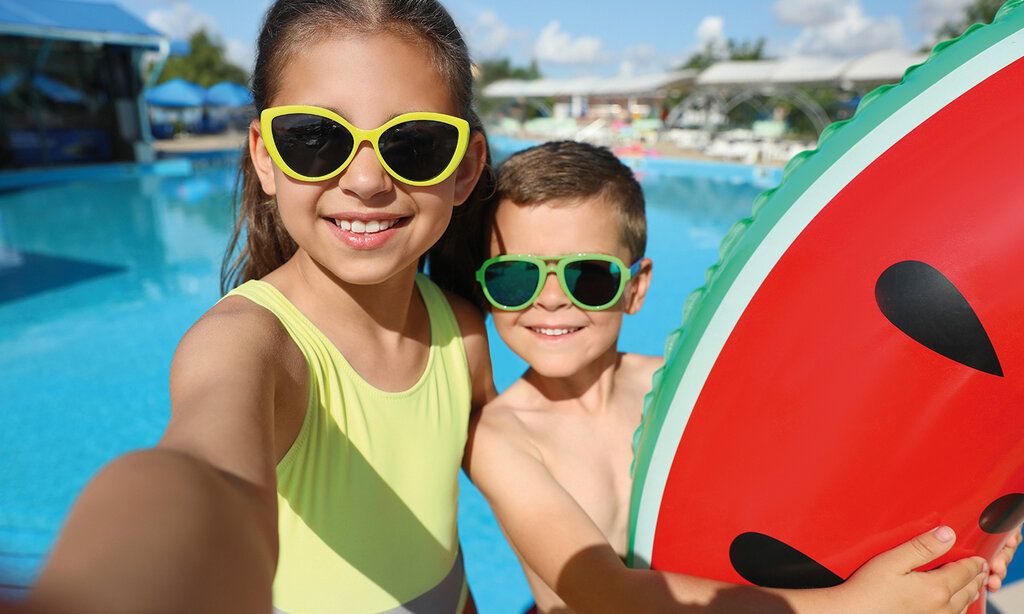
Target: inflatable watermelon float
[852, 373]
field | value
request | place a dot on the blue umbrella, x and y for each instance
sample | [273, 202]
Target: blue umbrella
[176, 93]
[227, 94]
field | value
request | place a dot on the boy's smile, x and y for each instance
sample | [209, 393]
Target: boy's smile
[551, 331]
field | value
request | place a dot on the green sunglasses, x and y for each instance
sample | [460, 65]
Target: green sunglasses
[591, 281]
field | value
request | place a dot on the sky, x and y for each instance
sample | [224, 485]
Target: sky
[606, 37]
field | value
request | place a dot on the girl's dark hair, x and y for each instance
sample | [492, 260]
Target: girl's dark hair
[291, 25]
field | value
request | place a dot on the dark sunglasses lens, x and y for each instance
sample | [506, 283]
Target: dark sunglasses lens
[593, 282]
[512, 283]
[419, 150]
[309, 144]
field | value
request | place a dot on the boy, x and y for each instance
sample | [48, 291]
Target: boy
[552, 453]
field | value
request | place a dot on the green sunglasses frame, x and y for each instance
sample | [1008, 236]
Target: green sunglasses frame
[556, 264]
[359, 136]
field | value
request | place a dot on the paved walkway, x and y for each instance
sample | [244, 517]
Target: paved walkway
[197, 143]
[1009, 600]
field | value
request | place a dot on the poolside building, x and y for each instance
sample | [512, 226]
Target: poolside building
[723, 85]
[71, 84]
[623, 96]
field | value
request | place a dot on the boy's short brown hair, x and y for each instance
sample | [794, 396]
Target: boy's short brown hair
[572, 170]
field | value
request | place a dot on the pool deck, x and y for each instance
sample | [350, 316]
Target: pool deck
[1009, 600]
[191, 144]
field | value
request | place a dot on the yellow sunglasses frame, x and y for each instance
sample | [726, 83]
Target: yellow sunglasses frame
[359, 136]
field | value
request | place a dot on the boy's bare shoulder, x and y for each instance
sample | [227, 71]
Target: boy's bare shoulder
[639, 368]
[503, 416]
[507, 407]
[499, 440]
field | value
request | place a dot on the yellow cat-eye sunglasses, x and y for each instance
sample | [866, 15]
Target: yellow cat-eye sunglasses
[310, 143]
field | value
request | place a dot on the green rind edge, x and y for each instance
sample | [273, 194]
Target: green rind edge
[745, 235]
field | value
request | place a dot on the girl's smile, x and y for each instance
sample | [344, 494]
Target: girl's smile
[367, 231]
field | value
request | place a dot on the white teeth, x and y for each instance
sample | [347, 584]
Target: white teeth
[555, 332]
[370, 227]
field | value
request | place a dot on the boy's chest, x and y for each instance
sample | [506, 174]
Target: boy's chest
[591, 462]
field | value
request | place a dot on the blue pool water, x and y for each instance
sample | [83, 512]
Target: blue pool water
[99, 280]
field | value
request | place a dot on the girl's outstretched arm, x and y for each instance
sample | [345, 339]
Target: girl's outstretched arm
[560, 542]
[478, 355]
[190, 525]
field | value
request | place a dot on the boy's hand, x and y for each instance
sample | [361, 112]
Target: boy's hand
[1001, 561]
[888, 582]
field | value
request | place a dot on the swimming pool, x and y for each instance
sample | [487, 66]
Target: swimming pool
[99, 280]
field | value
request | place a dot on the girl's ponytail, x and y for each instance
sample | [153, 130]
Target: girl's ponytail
[463, 247]
[266, 245]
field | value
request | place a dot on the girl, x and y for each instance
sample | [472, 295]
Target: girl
[320, 410]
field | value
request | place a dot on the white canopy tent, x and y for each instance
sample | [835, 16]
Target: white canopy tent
[723, 85]
[876, 68]
[596, 87]
[881, 67]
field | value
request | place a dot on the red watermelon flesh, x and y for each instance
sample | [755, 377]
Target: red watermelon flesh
[879, 365]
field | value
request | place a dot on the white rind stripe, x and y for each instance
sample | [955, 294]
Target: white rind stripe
[763, 260]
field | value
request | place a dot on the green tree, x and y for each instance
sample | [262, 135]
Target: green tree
[205, 63]
[979, 11]
[701, 59]
[497, 69]
[735, 50]
[502, 68]
[747, 50]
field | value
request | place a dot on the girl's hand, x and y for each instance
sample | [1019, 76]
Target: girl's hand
[1001, 561]
[888, 582]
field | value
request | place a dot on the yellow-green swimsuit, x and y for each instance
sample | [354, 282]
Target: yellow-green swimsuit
[367, 494]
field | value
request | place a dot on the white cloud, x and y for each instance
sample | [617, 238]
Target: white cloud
[179, 20]
[558, 47]
[853, 33]
[711, 35]
[933, 14]
[240, 54]
[639, 59]
[809, 12]
[490, 37]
